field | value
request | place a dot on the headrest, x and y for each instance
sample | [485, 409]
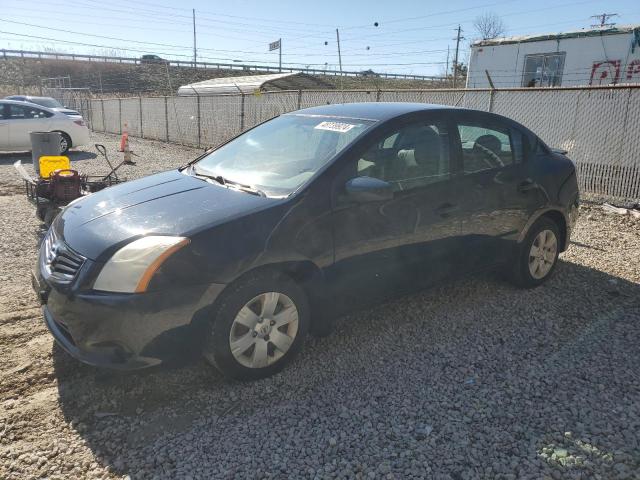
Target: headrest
[427, 149]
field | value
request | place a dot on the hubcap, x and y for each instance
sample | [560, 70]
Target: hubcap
[264, 330]
[63, 144]
[542, 255]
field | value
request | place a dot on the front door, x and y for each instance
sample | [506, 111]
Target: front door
[384, 248]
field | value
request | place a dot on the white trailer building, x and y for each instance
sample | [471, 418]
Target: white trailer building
[603, 56]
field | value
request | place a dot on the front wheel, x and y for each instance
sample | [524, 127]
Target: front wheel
[536, 257]
[258, 327]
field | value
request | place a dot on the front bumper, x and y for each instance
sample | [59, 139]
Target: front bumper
[125, 331]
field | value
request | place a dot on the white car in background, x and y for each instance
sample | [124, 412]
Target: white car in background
[48, 102]
[18, 119]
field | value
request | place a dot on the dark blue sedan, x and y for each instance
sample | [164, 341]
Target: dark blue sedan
[243, 251]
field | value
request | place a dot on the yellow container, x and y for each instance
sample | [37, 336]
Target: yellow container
[51, 163]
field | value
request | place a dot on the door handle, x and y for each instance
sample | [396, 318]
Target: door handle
[527, 185]
[447, 209]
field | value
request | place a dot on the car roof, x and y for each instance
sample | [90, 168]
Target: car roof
[375, 111]
[32, 97]
[20, 102]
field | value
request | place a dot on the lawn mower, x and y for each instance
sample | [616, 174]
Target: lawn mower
[58, 184]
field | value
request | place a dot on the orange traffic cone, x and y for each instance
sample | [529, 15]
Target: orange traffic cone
[124, 143]
[124, 140]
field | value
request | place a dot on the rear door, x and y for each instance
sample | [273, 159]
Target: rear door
[497, 194]
[24, 119]
[388, 247]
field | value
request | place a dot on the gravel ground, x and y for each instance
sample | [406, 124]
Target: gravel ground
[475, 379]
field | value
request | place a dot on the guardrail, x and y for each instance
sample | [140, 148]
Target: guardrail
[207, 65]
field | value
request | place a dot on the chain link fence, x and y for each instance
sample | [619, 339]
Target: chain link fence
[599, 127]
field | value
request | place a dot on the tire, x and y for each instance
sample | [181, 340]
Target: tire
[65, 143]
[41, 212]
[243, 317]
[50, 215]
[529, 270]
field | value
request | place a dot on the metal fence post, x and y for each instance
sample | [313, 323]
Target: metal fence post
[199, 121]
[491, 100]
[299, 99]
[140, 114]
[104, 124]
[378, 95]
[166, 117]
[241, 112]
[120, 116]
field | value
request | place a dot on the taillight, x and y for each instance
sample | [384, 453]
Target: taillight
[79, 122]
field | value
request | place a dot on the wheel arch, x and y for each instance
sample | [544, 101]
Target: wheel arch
[62, 132]
[556, 216]
[304, 272]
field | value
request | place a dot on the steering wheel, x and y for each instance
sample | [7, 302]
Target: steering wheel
[490, 157]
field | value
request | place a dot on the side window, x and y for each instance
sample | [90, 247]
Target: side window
[486, 148]
[411, 157]
[20, 112]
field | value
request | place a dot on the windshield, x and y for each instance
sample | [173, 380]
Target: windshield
[280, 155]
[46, 102]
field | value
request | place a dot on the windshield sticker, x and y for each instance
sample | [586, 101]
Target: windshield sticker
[335, 126]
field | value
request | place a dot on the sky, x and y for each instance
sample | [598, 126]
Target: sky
[411, 36]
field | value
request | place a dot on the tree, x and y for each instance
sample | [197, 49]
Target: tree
[489, 25]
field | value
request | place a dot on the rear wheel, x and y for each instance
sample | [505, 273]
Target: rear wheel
[537, 255]
[258, 327]
[65, 143]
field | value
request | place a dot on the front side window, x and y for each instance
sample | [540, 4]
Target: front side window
[21, 112]
[282, 154]
[486, 148]
[411, 157]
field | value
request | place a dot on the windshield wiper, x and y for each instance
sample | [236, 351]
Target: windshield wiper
[230, 183]
[218, 178]
[245, 188]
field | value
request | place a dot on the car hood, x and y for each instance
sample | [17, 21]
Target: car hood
[169, 203]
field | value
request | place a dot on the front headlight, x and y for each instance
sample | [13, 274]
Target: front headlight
[130, 269]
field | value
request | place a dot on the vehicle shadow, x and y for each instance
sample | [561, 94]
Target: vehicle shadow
[120, 415]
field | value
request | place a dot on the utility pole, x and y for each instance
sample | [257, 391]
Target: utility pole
[603, 20]
[195, 56]
[446, 70]
[339, 54]
[455, 59]
[280, 55]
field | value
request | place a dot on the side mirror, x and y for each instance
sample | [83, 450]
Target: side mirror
[368, 189]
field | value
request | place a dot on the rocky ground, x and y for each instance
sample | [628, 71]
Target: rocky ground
[475, 379]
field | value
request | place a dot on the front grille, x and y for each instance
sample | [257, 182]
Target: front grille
[61, 263]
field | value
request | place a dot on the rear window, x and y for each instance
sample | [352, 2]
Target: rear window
[46, 102]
